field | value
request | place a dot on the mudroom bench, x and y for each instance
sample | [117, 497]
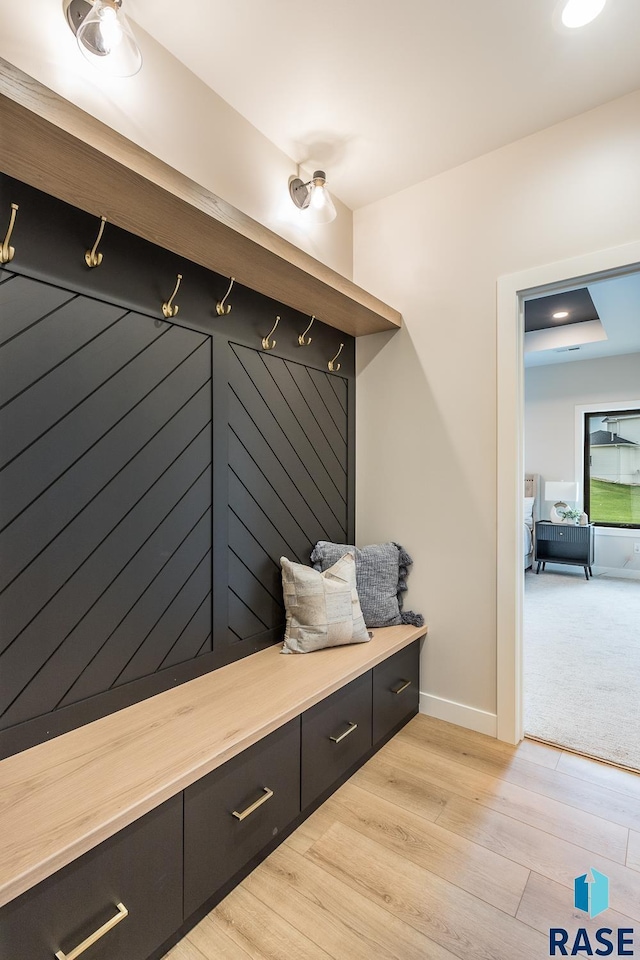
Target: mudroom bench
[119, 835]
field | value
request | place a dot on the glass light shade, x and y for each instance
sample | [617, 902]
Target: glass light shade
[577, 13]
[107, 41]
[320, 208]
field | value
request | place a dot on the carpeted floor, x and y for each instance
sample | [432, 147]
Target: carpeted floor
[582, 663]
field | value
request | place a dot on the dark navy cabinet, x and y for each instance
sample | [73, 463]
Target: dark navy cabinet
[235, 811]
[396, 691]
[122, 900]
[336, 733]
[564, 543]
[135, 894]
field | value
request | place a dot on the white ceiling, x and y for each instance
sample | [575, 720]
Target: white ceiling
[617, 302]
[385, 94]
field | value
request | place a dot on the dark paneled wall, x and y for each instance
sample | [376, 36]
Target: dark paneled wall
[152, 472]
[105, 497]
[287, 479]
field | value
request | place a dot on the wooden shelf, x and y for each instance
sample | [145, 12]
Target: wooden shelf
[64, 797]
[52, 145]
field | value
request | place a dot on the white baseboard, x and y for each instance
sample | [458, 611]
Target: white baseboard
[621, 572]
[473, 719]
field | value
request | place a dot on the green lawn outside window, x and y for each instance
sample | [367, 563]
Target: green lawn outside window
[614, 502]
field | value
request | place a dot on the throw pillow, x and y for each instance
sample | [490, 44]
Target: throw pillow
[381, 579]
[323, 609]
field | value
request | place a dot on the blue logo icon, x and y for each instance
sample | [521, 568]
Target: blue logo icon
[592, 896]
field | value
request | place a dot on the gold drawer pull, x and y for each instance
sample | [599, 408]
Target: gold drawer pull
[89, 942]
[351, 728]
[254, 806]
[403, 686]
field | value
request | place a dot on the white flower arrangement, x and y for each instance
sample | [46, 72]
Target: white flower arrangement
[571, 513]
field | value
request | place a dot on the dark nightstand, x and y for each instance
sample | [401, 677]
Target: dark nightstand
[564, 543]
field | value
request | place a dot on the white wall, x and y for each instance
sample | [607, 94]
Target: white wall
[551, 396]
[167, 110]
[426, 443]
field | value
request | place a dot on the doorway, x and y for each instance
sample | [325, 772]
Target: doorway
[581, 654]
[512, 291]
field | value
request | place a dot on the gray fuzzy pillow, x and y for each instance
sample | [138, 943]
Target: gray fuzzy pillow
[381, 579]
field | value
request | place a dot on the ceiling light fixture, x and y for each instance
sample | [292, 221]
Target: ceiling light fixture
[104, 36]
[561, 315]
[313, 197]
[577, 13]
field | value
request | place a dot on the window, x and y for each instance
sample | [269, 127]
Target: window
[612, 467]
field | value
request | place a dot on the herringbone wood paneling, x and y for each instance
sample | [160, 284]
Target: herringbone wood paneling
[123, 440]
[288, 483]
[105, 497]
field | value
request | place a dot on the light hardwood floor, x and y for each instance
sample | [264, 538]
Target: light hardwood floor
[445, 844]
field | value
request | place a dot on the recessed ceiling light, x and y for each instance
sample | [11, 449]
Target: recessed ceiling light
[561, 315]
[577, 13]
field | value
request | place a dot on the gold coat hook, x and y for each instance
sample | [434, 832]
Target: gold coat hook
[168, 308]
[302, 342]
[332, 365]
[7, 253]
[267, 343]
[221, 310]
[92, 258]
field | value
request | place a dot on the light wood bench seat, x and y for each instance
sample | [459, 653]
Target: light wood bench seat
[61, 798]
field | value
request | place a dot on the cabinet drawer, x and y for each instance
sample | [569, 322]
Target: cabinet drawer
[335, 735]
[396, 690]
[564, 533]
[233, 812]
[140, 868]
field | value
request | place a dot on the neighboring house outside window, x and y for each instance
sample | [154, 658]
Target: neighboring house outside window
[612, 468]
